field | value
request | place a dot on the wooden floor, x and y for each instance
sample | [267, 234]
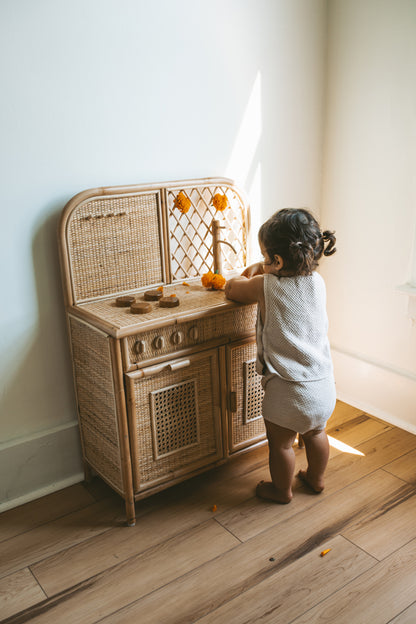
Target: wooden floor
[68, 558]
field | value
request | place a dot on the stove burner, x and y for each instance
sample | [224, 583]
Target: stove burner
[153, 295]
[125, 302]
[140, 307]
[169, 302]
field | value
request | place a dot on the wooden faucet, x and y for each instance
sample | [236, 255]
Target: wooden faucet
[216, 241]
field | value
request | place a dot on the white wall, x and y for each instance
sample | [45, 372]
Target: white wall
[369, 198]
[103, 92]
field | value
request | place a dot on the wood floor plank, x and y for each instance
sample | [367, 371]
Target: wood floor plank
[343, 469]
[113, 589]
[254, 515]
[194, 595]
[404, 467]
[18, 591]
[408, 616]
[358, 430]
[26, 517]
[98, 488]
[172, 512]
[291, 591]
[378, 451]
[250, 510]
[389, 528]
[54, 537]
[342, 414]
[241, 463]
[369, 598]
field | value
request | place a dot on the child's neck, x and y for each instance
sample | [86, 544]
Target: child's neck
[282, 273]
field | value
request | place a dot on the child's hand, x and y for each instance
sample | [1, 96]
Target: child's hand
[253, 269]
[244, 290]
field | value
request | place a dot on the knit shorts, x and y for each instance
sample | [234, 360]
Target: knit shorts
[296, 405]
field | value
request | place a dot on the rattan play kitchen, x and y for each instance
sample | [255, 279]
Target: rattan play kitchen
[164, 367]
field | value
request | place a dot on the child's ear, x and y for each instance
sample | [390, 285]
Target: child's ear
[278, 261]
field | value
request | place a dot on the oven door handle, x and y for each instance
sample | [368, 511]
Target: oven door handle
[158, 368]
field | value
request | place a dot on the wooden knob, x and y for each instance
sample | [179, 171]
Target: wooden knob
[153, 295]
[177, 338]
[169, 302]
[140, 347]
[159, 342]
[140, 307]
[125, 302]
[194, 333]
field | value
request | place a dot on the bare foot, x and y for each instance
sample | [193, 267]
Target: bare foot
[315, 487]
[266, 489]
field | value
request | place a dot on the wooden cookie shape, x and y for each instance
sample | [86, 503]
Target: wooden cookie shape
[153, 295]
[125, 301]
[140, 307]
[169, 302]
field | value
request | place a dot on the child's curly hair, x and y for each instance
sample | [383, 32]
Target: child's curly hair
[294, 234]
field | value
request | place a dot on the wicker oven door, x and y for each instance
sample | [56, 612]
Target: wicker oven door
[245, 422]
[174, 414]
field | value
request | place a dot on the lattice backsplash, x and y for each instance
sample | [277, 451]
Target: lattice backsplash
[190, 237]
[115, 240]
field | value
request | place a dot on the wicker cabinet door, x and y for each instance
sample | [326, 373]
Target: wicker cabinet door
[245, 422]
[174, 416]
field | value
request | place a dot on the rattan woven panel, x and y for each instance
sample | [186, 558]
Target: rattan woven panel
[96, 401]
[115, 245]
[190, 236]
[175, 418]
[253, 395]
[246, 423]
[184, 437]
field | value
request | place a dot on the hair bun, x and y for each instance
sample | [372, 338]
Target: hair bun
[300, 245]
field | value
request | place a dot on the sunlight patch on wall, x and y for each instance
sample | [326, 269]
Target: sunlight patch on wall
[243, 165]
[254, 193]
[248, 137]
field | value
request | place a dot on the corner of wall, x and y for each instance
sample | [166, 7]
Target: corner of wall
[379, 390]
[37, 465]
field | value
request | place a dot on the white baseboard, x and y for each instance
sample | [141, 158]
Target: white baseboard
[36, 465]
[44, 491]
[376, 388]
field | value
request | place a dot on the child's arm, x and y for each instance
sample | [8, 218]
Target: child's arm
[253, 269]
[244, 290]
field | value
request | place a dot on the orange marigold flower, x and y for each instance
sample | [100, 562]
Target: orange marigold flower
[182, 202]
[220, 202]
[206, 279]
[218, 281]
[160, 288]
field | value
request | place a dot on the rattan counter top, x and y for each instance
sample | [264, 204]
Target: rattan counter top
[195, 302]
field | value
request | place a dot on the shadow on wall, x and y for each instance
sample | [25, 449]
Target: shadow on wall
[39, 403]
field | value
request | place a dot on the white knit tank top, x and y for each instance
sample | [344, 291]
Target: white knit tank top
[293, 341]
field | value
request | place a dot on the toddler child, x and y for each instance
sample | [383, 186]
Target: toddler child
[293, 354]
